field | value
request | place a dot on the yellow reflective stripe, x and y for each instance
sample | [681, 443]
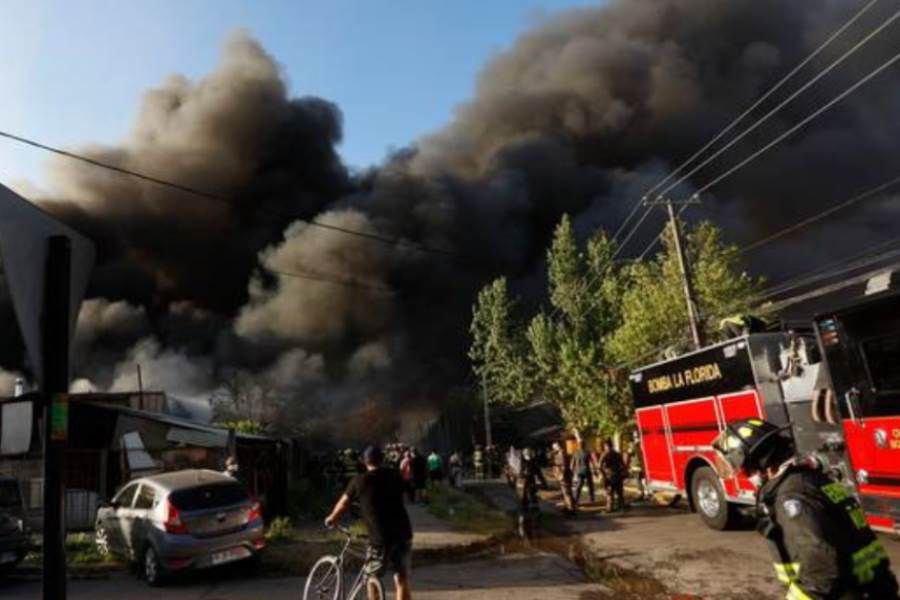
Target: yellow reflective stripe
[859, 517]
[795, 593]
[866, 560]
[787, 572]
[836, 492]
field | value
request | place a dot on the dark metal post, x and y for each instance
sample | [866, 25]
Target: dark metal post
[55, 384]
[140, 388]
[488, 441]
[685, 279]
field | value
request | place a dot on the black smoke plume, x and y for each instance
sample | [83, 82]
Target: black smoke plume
[583, 113]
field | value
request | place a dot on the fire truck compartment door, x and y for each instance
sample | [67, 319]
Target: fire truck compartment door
[655, 445]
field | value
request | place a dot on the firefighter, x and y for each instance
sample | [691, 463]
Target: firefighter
[815, 529]
[739, 325]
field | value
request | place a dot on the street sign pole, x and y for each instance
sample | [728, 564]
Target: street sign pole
[55, 385]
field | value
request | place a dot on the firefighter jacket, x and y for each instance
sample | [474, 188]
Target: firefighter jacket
[819, 539]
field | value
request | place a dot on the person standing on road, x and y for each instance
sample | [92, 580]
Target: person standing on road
[379, 492]
[420, 474]
[406, 473]
[613, 468]
[530, 475]
[562, 470]
[815, 528]
[435, 467]
[582, 467]
[635, 467]
[478, 462]
[513, 466]
[456, 469]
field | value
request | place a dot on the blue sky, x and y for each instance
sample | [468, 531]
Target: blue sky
[74, 71]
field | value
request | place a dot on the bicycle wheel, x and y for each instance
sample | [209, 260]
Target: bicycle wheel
[324, 580]
[373, 590]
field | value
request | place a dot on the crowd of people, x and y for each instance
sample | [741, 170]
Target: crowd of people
[576, 472]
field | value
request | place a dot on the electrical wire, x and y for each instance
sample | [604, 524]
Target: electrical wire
[890, 62]
[871, 255]
[335, 280]
[821, 215]
[837, 33]
[865, 79]
[834, 64]
[218, 198]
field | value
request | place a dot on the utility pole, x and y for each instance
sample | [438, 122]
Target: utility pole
[55, 384]
[684, 267]
[488, 441]
[140, 387]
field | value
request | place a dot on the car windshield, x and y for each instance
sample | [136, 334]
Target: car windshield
[9, 494]
[208, 496]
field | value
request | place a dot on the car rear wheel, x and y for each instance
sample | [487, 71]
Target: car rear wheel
[709, 499]
[152, 568]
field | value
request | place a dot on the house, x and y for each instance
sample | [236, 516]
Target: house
[113, 438]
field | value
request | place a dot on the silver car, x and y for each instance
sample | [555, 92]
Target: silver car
[182, 520]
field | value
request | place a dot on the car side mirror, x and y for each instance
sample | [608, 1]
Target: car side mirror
[110, 504]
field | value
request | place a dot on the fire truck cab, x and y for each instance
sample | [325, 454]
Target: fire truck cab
[835, 377]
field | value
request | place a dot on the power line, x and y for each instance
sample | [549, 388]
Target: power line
[872, 74]
[335, 280]
[744, 114]
[871, 255]
[802, 123]
[834, 64]
[821, 215]
[218, 198]
[634, 230]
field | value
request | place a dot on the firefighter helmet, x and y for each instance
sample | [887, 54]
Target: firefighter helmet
[754, 444]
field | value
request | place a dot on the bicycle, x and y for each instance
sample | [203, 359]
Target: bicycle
[326, 579]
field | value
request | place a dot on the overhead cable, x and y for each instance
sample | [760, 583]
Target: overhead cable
[821, 215]
[834, 64]
[219, 198]
[743, 115]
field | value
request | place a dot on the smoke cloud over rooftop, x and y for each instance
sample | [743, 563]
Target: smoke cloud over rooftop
[580, 115]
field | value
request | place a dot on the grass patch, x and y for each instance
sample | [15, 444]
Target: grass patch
[281, 529]
[465, 511]
[80, 552]
[293, 552]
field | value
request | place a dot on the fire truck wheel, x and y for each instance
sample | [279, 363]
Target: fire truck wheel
[709, 499]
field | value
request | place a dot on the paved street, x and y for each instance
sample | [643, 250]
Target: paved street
[541, 577]
[532, 576]
[674, 547]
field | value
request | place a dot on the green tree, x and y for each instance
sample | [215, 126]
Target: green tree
[568, 345]
[498, 350]
[654, 314]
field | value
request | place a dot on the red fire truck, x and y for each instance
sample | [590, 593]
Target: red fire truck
[834, 375]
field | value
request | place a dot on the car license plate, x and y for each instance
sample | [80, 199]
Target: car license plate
[7, 557]
[225, 556]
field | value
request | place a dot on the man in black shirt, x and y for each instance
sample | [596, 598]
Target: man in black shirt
[379, 492]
